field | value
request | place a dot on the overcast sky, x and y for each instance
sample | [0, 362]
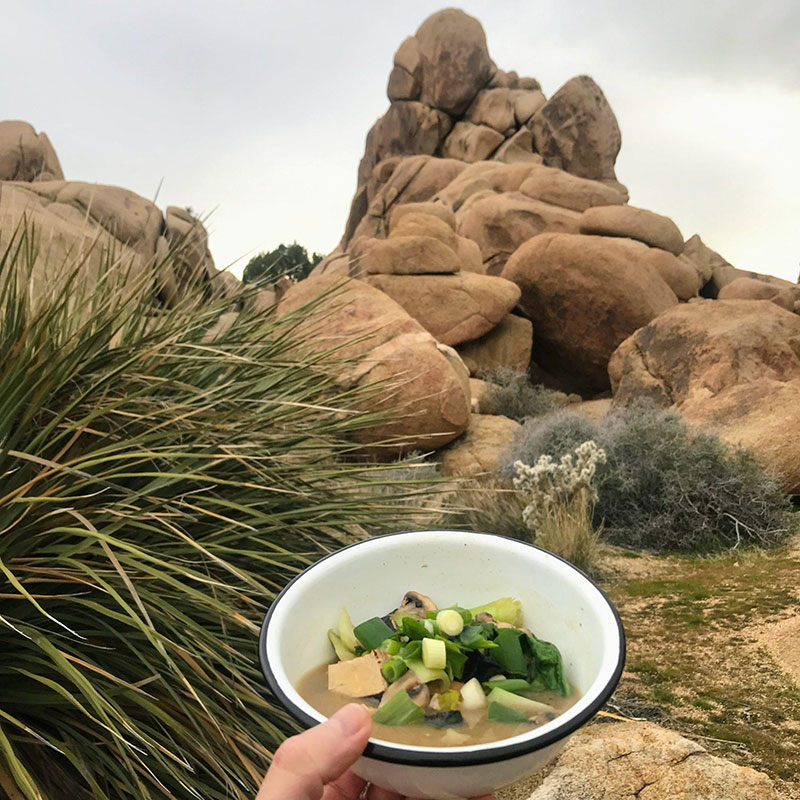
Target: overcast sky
[255, 111]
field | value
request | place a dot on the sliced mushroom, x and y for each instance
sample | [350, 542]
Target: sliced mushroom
[416, 604]
[485, 616]
[418, 692]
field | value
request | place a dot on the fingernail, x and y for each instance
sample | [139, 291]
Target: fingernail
[350, 719]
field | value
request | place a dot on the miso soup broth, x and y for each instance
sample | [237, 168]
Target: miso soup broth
[476, 728]
[442, 677]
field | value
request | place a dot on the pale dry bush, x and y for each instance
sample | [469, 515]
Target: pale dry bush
[560, 498]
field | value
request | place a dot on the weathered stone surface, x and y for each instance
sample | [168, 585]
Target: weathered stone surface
[622, 761]
[480, 448]
[403, 255]
[454, 308]
[407, 128]
[396, 182]
[470, 143]
[508, 346]
[786, 296]
[500, 223]
[455, 60]
[518, 149]
[634, 223]
[731, 365]
[426, 398]
[483, 176]
[526, 103]
[576, 130]
[593, 410]
[678, 272]
[469, 255]
[439, 210]
[704, 258]
[26, 155]
[68, 237]
[424, 225]
[405, 79]
[585, 295]
[559, 188]
[493, 107]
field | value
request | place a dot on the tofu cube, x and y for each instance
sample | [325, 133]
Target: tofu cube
[358, 677]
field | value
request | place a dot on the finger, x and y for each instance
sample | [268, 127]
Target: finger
[348, 787]
[378, 793]
[304, 764]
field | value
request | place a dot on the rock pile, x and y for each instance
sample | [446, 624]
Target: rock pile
[98, 225]
[494, 217]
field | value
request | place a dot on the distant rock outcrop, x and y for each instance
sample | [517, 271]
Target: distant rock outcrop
[474, 170]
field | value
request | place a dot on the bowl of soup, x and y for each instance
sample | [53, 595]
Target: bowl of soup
[560, 607]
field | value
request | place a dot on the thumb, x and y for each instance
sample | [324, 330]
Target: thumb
[304, 764]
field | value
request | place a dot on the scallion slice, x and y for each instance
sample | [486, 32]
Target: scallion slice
[500, 713]
[372, 633]
[400, 710]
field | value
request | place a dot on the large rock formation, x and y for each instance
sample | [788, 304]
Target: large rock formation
[732, 366]
[377, 342]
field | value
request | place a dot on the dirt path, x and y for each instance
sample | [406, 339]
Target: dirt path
[714, 653]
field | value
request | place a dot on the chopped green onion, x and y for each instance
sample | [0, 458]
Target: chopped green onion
[372, 632]
[509, 684]
[425, 675]
[434, 653]
[414, 628]
[391, 646]
[393, 669]
[413, 650]
[524, 705]
[501, 713]
[400, 710]
[450, 622]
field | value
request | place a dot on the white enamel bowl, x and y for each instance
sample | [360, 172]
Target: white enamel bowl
[560, 604]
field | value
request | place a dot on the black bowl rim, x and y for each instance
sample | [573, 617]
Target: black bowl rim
[433, 757]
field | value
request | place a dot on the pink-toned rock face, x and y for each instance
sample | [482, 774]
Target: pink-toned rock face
[584, 295]
[506, 347]
[377, 341]
[454, 308]
[731, 365]
[576, 130]
[500, 223]
[480, 449]
[403, 255]
[559, 188]
[26, 155]
[655, 230]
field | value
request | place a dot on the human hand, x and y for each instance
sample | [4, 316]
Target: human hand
[315, 765]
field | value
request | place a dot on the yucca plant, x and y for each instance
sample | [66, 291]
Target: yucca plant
[157, 489]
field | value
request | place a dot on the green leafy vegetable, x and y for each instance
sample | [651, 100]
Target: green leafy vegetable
[411, 651]
[477, 636]
[506, 609]
[415, 628]
[372, 633]
[400, 710]
[501, 713]
[509, 653]
[547, 666]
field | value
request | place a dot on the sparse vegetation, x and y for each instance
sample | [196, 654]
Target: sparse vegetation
[291, 260]
[519, 399]
[560, 497]
[666, 486]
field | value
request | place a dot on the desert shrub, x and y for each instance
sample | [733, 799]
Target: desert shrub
[560, 496]
[158, 490]
[518, 398]
[491, 506]
[554, 434]
[668, 486]
[292, 260]
[665, 486]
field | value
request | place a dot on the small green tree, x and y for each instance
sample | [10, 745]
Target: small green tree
[286, 259]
